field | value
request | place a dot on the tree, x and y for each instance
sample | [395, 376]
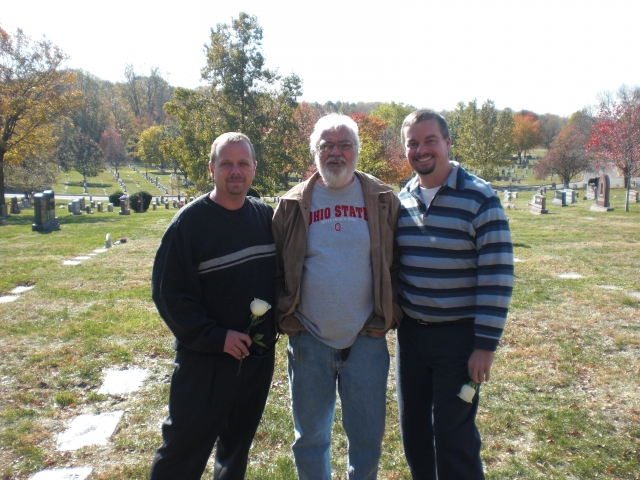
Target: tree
[242, 96]
[92, 116]
[112, 147]
[149, 146]
[526, 133]
[80, 153]
[550, 126]
[615, 137]
[567, 156]
[380, 152]
[34, 94]
[305, 117]
[393, 113]
[33, 174]
[484, 137]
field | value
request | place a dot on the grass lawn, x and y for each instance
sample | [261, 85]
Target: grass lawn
[563, 401]
[104, 184]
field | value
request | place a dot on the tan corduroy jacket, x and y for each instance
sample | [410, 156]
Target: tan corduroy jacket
[290, 231]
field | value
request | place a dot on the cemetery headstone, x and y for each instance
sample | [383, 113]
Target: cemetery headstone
[633, 196]
[124, 205]
[3, 210]
[572, 196]
[82, 203]
[602, 200]
[44, 211]
[110, 207]
[100, 210]
[538, 205]
[15, 208]
[591, 192]
[553, 186]
[155, 206]
[559, 199]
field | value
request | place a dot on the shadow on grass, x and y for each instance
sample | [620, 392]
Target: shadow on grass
[521, 245]
[89, 185]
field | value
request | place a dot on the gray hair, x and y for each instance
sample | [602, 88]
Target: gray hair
[230, 137]
[333, 122]
[421, 116]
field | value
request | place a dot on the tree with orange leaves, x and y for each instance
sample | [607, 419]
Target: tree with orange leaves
[526, 133]
[380, 152]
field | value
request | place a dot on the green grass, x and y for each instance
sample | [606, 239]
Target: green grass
[104, 184]
[563, 401]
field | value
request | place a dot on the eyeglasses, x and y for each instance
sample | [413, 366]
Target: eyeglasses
[327, 147]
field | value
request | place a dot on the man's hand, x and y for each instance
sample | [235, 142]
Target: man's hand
[480, 365]
[236, 343]
[379, 333]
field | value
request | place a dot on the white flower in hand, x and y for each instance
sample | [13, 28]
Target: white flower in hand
[259, 307]
[468, 391]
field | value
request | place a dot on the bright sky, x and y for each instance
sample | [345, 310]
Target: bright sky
[548, 56]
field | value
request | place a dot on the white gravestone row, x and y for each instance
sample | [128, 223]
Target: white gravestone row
[86, 430]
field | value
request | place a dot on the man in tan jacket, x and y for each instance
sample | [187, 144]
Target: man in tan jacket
[335, 288]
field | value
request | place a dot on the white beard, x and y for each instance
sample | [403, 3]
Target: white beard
[336, 178]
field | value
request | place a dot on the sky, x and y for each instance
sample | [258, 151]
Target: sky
[546, 56]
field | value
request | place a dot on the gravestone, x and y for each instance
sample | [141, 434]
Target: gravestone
[110, 207]
[75, 207]
[75, 473]
[83, 203]
[633, 196]
[124, 205]
[15, 208]
[560, 198]
[538, 205]
[591, 192]
[85, 430]
[155, 206]
[44, 212]
[100, 210]
[88, 209]
[166, 205]
[572, 195]
[553, 186]
[3, 210]
[602, 201]
[118, 382]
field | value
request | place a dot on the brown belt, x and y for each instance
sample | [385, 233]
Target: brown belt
[443, 323]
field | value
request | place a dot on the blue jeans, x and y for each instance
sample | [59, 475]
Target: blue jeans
[438, 429]
[314, 369]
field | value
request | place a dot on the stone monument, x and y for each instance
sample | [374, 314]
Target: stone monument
[602, 201]
[559, 199]
[538, 205]
[44, 211]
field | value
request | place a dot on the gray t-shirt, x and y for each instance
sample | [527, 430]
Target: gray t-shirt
[337, 279]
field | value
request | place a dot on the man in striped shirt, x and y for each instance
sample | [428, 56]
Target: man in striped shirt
[455, 286]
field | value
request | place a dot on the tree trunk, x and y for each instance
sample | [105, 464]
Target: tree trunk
[626, 200]
[2, 202]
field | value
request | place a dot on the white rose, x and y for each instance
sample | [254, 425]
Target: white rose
[259, 307]
[467, 393]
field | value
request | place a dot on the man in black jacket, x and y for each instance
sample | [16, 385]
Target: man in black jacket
[215, 258]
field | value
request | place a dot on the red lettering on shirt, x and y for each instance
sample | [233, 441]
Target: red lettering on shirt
[352, 211]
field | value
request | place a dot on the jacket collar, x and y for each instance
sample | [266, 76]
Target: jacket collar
[370, 186]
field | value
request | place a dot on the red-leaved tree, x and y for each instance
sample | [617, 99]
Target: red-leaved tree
[615, 138]
[112, 146]
[566, 157]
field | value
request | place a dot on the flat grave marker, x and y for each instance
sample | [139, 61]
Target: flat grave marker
[117, 382]
[78, 473]
[85, 430]
[22, 289]
[570, 276]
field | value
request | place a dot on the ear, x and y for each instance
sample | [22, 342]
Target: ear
[211, 169]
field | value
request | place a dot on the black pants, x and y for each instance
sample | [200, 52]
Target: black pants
[438, 429]
[210, 402]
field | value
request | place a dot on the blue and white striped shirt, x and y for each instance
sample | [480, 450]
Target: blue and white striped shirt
[456, 256]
